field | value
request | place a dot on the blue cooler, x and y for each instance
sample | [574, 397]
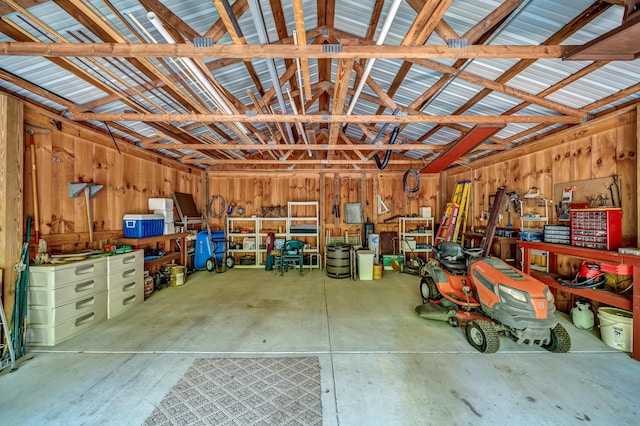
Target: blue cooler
[205, 248]
[142, 225]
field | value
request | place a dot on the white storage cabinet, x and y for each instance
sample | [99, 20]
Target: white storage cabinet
[65, 300]
[125, 282]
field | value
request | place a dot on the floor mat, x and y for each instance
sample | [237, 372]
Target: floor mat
[244, 391]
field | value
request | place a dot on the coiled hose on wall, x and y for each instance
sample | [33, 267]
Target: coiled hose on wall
[222, 203]
[411, 192]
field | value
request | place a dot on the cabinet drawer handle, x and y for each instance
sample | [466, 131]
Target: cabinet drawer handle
[128, 273]
[128, 286]
[85, 318]
[86, 302]
[85, 286]
[129, 300]
[81, 270]
[129, 259]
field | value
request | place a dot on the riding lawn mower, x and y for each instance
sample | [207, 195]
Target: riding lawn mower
[488, 296]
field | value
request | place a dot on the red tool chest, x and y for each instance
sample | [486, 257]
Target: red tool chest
[596, 228]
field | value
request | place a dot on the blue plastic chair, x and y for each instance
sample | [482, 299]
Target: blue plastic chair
[292, 254]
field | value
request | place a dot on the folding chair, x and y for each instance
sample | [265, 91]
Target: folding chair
[292, 254]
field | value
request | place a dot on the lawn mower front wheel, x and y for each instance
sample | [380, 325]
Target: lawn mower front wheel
[482, 335]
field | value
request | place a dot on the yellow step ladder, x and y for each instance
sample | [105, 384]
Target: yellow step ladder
[455, 214]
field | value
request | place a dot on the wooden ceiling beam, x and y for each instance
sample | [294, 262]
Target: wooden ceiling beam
[491, 86]
[631, 90]
[586, 16]
[343, 77]
[349, 161]
[298, 14]
[619, 44]
[349, 146]
[233, 29]
[494, 18]
[375, 18]
[40, 91]
[217, 30]
[85, 15]
[283, 37]
[559, 85]
[181, 50]
[170, 19]
[322, 118]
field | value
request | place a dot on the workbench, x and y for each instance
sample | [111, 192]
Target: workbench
[506, 248]
[609, 298]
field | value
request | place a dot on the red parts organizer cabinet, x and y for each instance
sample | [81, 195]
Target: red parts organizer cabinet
[608, 298]
[596, 228]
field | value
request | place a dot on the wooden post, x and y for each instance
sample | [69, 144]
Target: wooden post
[11, 188]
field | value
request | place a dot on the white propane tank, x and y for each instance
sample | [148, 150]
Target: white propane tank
[582, 315]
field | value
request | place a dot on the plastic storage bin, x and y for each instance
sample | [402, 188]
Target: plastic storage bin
[142, 225]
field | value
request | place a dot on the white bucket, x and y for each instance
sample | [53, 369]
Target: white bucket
[616, 328]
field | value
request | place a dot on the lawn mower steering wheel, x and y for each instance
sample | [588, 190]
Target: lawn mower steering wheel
[474, 252]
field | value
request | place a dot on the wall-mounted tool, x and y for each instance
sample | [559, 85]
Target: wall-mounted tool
[90, 191]
[35, 130]
[382, 207]
[616, 183]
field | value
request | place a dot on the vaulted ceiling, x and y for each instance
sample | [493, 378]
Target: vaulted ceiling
[323, 84]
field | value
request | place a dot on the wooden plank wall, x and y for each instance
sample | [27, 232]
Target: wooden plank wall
[75, 154]
[594, 150]
[254, 191]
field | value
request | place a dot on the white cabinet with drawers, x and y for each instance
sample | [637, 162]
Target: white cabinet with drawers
[65, 300]
[125, 282]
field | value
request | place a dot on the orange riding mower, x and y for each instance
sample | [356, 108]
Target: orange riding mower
[488, 297]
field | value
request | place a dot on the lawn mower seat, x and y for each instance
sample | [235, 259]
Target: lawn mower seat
[451, 256]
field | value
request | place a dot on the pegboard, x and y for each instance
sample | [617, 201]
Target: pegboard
[586, 189]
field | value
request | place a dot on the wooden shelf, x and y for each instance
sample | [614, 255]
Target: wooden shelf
[171, 253]
[167, 258]
[152, 240]
[612, 299]
[604, 296]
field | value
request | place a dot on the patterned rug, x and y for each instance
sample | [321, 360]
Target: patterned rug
[242, 391]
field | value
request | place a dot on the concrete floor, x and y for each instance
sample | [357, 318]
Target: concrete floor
[381, 363]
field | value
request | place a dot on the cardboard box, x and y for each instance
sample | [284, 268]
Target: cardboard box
[425, 212]
[387, 258]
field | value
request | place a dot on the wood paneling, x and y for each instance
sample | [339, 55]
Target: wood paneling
[253, 192]
[593, 150]
[71, 154]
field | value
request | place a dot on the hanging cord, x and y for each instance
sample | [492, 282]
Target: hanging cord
[112, 138]
[382, 164]
[222, 204]
[411, 192]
